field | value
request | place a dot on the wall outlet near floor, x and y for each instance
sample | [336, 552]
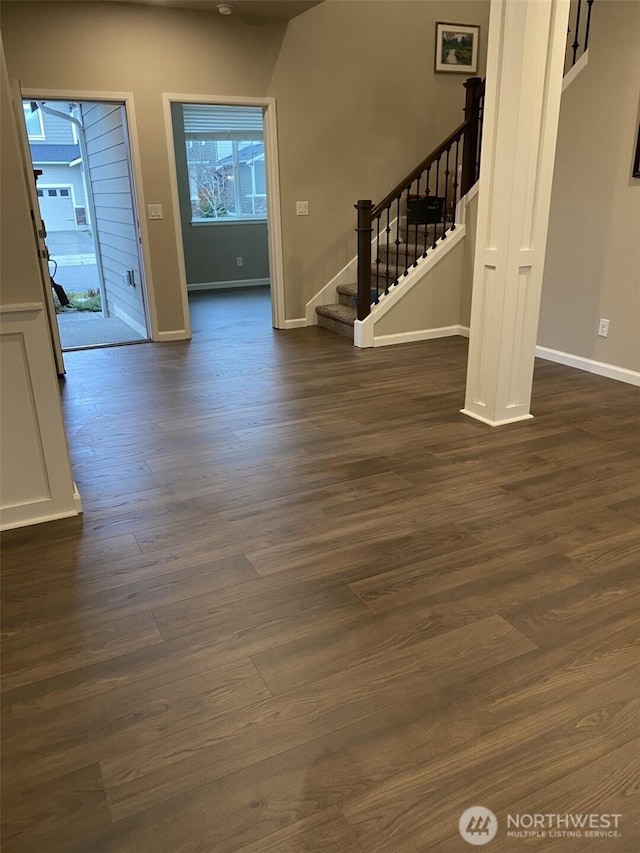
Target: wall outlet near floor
[302, 208]
[239, 262]
[603, 328]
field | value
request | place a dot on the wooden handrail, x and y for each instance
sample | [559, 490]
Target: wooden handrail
[475, 88]
[450, 175]
[406, 182]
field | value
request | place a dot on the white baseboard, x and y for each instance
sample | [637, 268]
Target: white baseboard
[77, 499]
[173, 335]
[227, 285]
[39, 515]
[297, 323]
[601, 368]
[327, 295]
[478, 417]
[418, 335]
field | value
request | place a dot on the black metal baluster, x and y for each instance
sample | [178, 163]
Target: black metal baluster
[455, 187]
[446, 195]
[435, 226]
[426, 227]
[398, 227]
[386, 270]
[480, 121]
[415, 233]
[377, 259]
[576, 43]
[586, 34]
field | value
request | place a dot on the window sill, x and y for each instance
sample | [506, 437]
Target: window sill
[218, 222]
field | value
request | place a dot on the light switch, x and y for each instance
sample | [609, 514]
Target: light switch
[302, 208]
[155, 211]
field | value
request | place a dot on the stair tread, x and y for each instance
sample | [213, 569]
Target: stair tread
[350, 289]
[341, 313]
[405, 248]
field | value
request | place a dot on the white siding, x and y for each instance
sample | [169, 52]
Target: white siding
[115, 227]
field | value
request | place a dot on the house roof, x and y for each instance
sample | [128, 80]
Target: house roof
[257, 150]
[46, 153]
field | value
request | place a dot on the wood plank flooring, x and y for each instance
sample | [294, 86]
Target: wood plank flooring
[312, 608]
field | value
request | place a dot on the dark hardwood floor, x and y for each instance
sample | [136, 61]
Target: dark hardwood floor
[312, 607]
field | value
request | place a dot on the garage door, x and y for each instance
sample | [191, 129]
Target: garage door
[56, 208]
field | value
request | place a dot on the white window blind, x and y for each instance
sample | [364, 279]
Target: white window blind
[206, 122]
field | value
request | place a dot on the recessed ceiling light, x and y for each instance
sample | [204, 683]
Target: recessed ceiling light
[225, 8]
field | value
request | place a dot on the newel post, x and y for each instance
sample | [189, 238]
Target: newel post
[364, 208]
[470, 145]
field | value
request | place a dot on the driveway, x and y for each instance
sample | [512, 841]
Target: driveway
[67, 244]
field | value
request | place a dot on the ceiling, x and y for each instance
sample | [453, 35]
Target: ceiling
[283, 10]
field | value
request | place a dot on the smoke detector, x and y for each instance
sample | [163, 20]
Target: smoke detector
[224, 8]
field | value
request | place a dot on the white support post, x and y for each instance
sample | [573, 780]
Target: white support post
[522, 104]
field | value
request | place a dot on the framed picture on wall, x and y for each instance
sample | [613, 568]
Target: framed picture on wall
[457, 48]
[636, 160]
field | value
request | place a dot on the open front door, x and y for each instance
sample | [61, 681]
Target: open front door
[107, 160]
[39, 232]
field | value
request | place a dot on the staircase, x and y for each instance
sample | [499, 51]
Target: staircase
[412, 221]
[394, 238]
[340, 316]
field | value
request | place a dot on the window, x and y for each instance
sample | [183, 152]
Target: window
[225, 163]
[39, 193]
[52, 192]
[64, 193]
[33, 120]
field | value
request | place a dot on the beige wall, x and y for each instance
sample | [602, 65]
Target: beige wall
[19, 271]
[357, 99]
[433, 303]
[359, 105]
[94, 46]
[592, 268]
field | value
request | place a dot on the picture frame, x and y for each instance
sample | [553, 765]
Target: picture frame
[636, 160]
[457, 47]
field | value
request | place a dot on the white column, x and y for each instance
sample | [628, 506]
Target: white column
[522, 103]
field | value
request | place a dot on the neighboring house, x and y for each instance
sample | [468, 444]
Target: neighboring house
[55, 151]
[227, 179]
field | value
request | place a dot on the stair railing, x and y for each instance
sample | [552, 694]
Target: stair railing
[579, 25]
[419, 212]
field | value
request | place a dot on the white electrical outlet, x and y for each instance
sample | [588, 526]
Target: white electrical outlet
[603, 328]
[155, 211]
[302, 208]
[239, 262]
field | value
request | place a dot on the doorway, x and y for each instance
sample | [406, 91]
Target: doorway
[85, 191]
[224, 164]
